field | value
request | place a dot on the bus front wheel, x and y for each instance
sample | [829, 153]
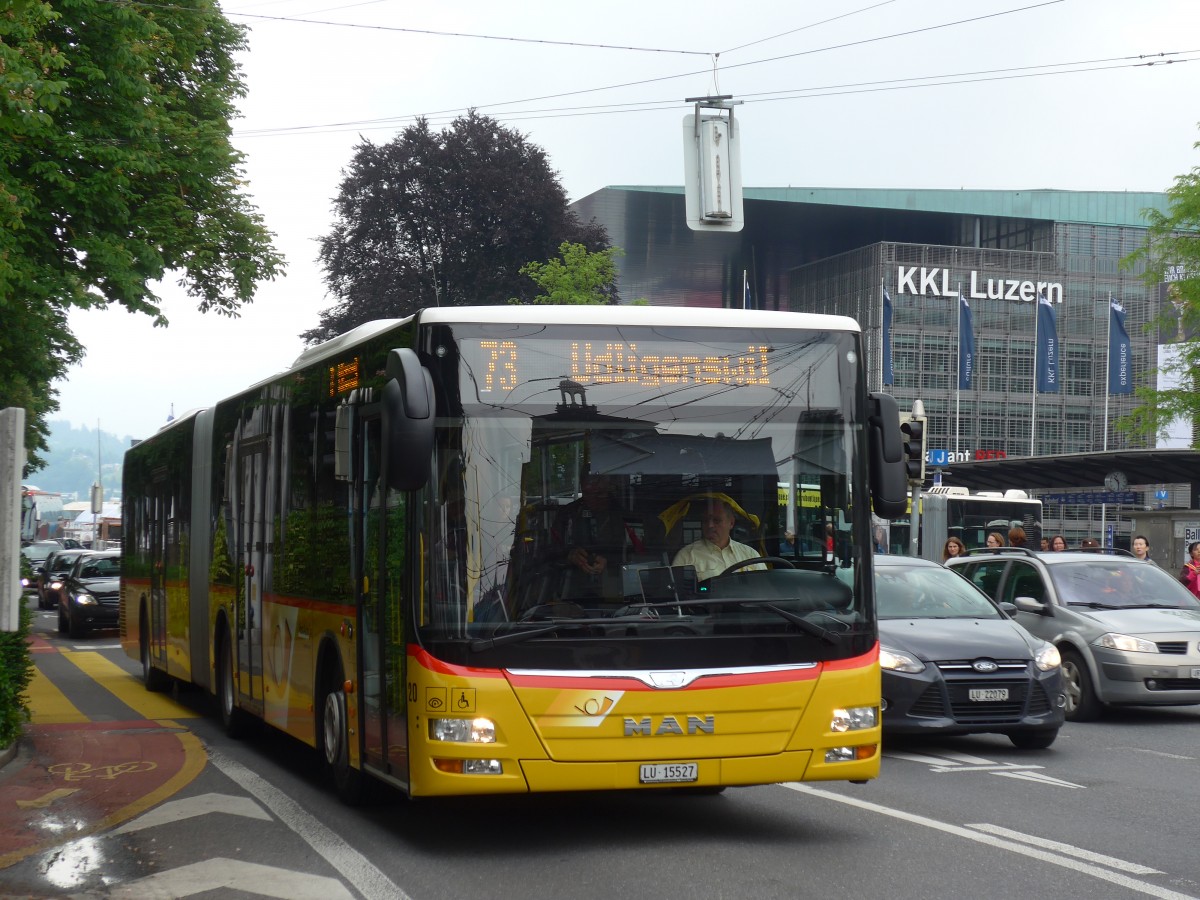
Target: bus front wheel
[335, 740]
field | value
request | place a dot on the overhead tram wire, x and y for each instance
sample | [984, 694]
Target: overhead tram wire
[425, 31]
[704, 72]
[853, 12]
[868, 87]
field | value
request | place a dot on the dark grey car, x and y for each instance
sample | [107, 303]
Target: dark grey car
[1129, 633]
[952, 662]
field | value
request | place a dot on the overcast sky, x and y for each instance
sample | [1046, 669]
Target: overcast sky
[827, 104]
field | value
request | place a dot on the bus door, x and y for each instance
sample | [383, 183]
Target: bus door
[250, 512]
[379, 563]
[160, 526]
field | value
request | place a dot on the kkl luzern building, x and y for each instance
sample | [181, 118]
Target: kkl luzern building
[831, 250]
[838, 251]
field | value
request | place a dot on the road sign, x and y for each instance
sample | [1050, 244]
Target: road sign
[939, 457]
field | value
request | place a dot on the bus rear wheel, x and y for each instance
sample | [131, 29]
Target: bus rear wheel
[154, 679]
[335, 741]
[233, 720]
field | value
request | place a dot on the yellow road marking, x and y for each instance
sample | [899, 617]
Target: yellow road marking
[48, 705]
[128, 689]
[46, 799]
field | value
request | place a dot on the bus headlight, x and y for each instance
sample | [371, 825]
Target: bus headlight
[463, 731]
[856, 718]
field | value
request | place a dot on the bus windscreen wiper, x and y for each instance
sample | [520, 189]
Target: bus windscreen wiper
[766, 603]
[514, 637]
[544, 627]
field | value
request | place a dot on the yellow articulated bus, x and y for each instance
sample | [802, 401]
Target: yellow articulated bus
[531, 548]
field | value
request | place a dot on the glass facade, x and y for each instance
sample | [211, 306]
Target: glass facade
[993, 417]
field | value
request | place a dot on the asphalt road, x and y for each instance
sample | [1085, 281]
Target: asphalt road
[1109, 811]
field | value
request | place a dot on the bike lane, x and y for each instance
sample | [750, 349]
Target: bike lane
[76, 774]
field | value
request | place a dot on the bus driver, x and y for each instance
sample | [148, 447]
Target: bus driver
[715, 551]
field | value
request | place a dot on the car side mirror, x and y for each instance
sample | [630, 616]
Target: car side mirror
[1008, 608]
[1030, 605]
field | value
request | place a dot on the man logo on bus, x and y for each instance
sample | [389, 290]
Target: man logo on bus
[670, 725]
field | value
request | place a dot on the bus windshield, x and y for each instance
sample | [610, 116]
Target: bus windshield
[615, 483]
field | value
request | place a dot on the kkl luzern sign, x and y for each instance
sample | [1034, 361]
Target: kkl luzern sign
[937, 282]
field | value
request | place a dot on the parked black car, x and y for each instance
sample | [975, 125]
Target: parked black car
[953, 662]
[35, 554]
[90, 595]
[52, 573]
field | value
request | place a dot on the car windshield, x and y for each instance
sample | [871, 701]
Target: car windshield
[927, 592]
[62, 562]
[1118, 584]
[37, 553]
[108, 567]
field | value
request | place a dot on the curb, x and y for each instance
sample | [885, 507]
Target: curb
[7, 753]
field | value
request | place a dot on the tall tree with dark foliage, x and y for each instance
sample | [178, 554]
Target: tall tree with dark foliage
[443, 219]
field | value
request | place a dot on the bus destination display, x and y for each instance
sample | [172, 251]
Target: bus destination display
[505, 364]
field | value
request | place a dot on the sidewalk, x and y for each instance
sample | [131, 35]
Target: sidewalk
[68, 776]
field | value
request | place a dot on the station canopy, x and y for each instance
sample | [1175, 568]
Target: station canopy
[1073, 471]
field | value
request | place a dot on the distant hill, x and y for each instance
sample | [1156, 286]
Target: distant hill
[71, 461]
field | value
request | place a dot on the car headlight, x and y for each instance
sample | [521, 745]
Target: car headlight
[898, 661]
[83, 598]
[1126, 642]
[1047, 657]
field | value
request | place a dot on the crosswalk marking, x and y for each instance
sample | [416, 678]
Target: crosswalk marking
[962, 762]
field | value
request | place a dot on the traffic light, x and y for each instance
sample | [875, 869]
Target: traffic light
[912, 430]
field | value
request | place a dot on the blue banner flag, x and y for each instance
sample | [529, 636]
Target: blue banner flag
[1046, 361]
[1120, 368]
[746, 301]
[966, 344]
[889, 372]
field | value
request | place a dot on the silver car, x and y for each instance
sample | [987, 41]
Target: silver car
[1128, 632]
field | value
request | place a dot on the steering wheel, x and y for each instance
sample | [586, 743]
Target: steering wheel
[773, 560]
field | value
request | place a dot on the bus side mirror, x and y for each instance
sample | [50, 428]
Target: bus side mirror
[408, 407]
[889, 484]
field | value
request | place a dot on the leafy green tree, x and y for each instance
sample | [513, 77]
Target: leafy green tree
[578, 277]
[1172, 255]
[442, 219]
[115, 168]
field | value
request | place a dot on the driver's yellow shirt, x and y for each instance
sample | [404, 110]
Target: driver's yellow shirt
[710, 560]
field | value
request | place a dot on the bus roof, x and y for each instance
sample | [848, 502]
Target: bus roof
[637, 315]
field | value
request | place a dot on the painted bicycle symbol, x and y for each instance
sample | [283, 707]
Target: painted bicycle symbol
[78, 771]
